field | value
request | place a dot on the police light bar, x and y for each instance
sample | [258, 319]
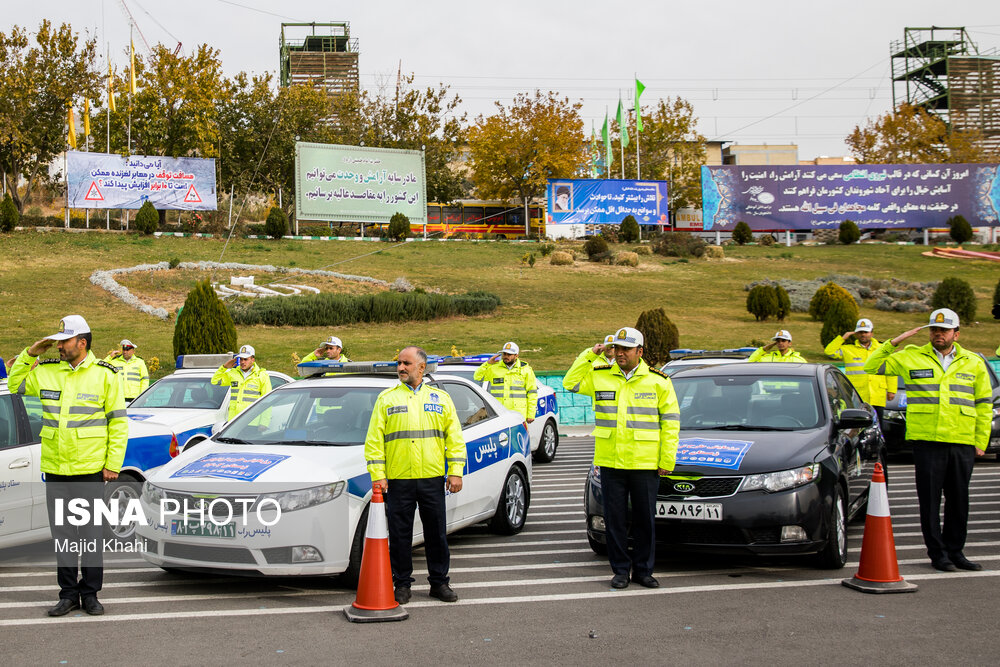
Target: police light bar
[728, 352]
[212, 361]
[324, 366]
[467, 359]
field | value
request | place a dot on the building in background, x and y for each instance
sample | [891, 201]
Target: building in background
[760, 154]
[942, 70]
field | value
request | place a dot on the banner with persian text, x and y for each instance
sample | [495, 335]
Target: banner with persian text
[588, 203]
[873, 196]
[103, 180]
[359, 184]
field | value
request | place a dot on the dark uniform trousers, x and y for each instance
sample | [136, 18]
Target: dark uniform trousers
[403, 497]
[618, 486]
[943, 466]
[79, 549]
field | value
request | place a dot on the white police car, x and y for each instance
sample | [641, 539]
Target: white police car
[23, 516]
[544, 431]
[174, 413]
[284, 487]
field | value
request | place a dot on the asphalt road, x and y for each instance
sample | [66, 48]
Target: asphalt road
[539, 597]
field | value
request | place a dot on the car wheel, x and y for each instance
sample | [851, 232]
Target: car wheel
[512, 509]
[549, 442]
[124, 489]
[834, 554]
[598, 548]
[352, 574]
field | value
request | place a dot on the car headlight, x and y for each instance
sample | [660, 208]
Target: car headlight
[780, 481]
[289, 501]
[151, 495]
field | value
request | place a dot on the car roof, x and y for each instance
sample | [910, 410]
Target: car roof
[759, 368]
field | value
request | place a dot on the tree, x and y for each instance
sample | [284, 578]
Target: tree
[8, 215]
[628, 231]
[848, 232]
[959, 229]
[742, 234]
[409, 118]
[204, 326]
[825, 297]
[513, 152]
[784, 302]
[399, 227]
[276, 225]
[841, 317]
[762, 302]
[596, 248]
[659, 335]
[911, 135]
[958, 295]
[671, 148]
[39, 81]
[147, 219]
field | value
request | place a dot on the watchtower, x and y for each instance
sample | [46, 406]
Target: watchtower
[319, 54]
[942, 70]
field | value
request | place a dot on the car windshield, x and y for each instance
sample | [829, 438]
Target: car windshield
[466, 373]
[182, 392]
[744, 402]
[305, 415]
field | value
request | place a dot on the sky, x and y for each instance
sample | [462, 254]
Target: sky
[767, 71]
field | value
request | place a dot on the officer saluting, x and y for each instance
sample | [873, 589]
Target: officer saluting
[637, 425]
[949, 409]
[512, 382]
[84, 434]
[132, 369]
[247, 383]
[415, 439]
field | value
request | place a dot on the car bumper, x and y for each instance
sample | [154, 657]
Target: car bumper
[751, 522]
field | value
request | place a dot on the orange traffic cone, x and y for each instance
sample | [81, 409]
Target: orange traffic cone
[878, 571]
[375, 601]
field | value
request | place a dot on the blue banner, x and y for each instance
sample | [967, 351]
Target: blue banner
[102, 180]
[873, 196]
[237, 465]
[593, 202]
[726, 454]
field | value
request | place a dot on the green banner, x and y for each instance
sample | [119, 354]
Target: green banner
[358, 184]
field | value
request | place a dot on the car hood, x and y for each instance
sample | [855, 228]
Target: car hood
[227, 467]
[747, 452]
[157, 420]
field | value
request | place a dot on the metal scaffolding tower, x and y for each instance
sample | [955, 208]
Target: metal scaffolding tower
[319, 54]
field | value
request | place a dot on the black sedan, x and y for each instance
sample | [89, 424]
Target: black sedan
[774, 459]
[894, 419]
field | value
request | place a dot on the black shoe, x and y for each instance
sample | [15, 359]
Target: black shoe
[647, 580]
[963, 563]
[402, 594]
[444, 593]
[619, 581]
[92, 606]
[944, 565]
[64, 607]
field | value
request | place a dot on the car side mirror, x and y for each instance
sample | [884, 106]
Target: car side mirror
[854, 418]
[216, 427]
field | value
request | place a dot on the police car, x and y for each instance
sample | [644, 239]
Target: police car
[23, 516]
[686, 358]
[544, 431]
[174, 413]
[283, 489]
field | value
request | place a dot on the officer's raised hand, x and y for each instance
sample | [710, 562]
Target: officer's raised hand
[40, 346]
[903, 336]
[230, 364]
[495, 358]
[598, 348]
[847, 335]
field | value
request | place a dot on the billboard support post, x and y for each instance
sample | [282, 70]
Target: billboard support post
[527, 219]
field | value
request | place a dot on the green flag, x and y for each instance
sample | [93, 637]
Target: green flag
[606, 136]
[622, 124]
[638, 110]
[594, 153]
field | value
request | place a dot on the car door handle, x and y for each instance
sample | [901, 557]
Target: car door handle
[20, 463]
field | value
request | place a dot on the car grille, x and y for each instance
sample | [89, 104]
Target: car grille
[278, 555]
[706, 487]
[208, 554]
[191, 502]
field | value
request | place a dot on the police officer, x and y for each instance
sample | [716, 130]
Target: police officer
[637, 422]
[331, 349]
[246, 384]
[512, 383]
[84, 434]
[873, 389]
[784, 351]
[131, 369]
[607, 357]
[949, 409]
[415, 439]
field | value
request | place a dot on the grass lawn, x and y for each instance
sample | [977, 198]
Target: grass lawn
[551, 312]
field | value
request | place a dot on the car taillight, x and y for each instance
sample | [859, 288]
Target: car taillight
[175, 449]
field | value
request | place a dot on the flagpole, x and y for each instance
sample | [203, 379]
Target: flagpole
[107, 211]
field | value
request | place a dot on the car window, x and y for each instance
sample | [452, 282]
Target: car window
[848, 393]
[470, 406]
[314, 416]
[182, 392]
[834, 395]
[33, 406]
[466, 373]
[276, 380]
[8, 422]
[744, 401]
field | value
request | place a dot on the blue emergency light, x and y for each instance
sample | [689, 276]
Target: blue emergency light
[324, 366]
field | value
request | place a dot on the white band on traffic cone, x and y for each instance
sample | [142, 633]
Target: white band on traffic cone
[378, 526]
[878, 500]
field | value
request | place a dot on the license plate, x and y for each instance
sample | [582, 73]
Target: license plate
[666, 509]
[198, 529]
